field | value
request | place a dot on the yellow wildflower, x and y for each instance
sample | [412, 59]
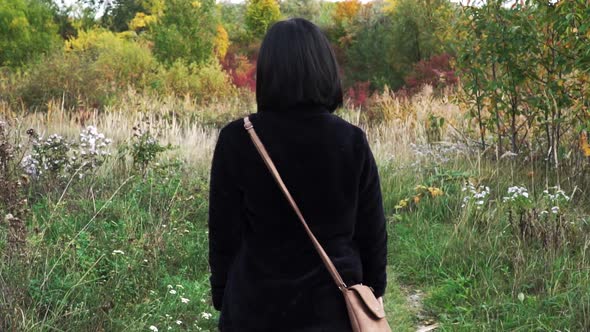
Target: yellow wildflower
[420, 187]
[434, 191]
[402, 204]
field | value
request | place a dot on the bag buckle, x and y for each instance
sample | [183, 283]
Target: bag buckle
[247, 124]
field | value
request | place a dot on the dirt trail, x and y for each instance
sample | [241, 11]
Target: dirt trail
[425, 322]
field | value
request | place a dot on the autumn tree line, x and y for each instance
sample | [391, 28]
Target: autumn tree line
[518, 68]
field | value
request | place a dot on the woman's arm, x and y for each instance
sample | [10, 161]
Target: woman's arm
[225, 207]
[370, 229]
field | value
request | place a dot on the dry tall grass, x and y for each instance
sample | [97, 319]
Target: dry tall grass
[193, 127]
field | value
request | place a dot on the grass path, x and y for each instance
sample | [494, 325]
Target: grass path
[403, 306]
[403, 310]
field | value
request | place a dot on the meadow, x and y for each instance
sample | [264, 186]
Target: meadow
[122, 244]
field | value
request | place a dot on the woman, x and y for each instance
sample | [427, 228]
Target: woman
[265, 272]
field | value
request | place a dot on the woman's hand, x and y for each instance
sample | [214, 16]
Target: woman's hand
[380, 299]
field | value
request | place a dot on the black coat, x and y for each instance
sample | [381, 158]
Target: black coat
[265, 272]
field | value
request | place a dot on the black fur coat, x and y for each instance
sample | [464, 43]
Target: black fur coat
[265, 272]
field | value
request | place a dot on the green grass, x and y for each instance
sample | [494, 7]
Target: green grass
[119, 250]
[477, 273]
[399, 315]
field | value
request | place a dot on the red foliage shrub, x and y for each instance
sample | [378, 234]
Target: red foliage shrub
[358, 93]
[241, 70]
[436, 71]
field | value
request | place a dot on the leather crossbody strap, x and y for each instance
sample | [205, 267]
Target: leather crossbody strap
[275, 173]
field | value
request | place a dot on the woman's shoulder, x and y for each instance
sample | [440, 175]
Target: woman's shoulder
[356, 133]
[332, 123]
[233, 129]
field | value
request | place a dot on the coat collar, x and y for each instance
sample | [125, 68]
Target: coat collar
[298, 109]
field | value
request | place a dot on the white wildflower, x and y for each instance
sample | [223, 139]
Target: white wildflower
[184, 300]
[153, 328]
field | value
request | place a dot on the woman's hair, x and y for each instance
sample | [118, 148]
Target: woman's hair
[297, 67]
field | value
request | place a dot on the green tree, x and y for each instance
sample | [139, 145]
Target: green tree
[186, 30]
[119, 13]
[369, 53]
[233, 18]
[27, 30]
[384, 40]
[422, 28]
[308, 9]
[525, 75]
[261, 14]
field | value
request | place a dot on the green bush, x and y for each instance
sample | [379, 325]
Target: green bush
[92, 69]
[205, 82]
[64, 76]
[123, 61]
[27, 30]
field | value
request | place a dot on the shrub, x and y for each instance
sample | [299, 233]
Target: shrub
[144, 148]
[436, 72]
[241, 70]
[214, 82]
[92, 69]
[56, 157]
[205, 82]
[119, 59]
[358, 94]
[27, 30]
[65, 76]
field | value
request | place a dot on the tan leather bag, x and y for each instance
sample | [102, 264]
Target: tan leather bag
[364, 310]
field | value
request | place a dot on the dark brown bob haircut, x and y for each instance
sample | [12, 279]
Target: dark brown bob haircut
[297, 68]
